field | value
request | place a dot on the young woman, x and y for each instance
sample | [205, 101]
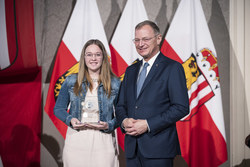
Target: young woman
[90, 139]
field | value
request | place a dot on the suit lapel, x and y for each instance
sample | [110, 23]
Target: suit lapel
[135, 77]
[152, 72]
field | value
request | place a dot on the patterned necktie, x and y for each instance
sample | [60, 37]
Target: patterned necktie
[141, 78]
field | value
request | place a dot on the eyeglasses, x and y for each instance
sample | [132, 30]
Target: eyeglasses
[91, 55]
[145, 40]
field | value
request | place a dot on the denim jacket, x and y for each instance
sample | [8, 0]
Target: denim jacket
[106, 104]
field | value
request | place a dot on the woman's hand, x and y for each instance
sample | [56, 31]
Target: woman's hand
[98, 126]
[77, 124]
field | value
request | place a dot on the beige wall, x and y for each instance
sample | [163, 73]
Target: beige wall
[51, 17]
[240, 81]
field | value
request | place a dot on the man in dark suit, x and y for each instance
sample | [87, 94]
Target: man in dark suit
[152, 98]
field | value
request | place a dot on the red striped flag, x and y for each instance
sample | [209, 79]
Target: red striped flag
[123, 51]
[85, 23]
[201, 133]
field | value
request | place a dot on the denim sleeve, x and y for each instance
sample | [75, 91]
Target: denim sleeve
[113, 124]
[62, 102]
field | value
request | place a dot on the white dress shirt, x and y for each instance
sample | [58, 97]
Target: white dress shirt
[150, 62]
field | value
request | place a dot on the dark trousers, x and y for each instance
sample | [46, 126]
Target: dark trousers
[140, 161]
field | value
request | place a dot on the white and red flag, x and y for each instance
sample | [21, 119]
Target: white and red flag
[123, 52]
[85, 24]
[188, 41]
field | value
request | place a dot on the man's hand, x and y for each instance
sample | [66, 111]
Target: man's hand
[135, 127]
[128, 123]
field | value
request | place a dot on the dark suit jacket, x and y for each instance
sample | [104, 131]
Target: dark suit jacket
[163, 101]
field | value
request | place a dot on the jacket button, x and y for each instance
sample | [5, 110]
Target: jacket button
[136, 107]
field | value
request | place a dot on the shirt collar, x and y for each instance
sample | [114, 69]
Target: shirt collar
[151, 61]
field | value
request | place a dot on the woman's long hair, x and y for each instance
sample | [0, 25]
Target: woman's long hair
[105, 72]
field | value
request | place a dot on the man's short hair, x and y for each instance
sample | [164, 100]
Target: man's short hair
[150, 23]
